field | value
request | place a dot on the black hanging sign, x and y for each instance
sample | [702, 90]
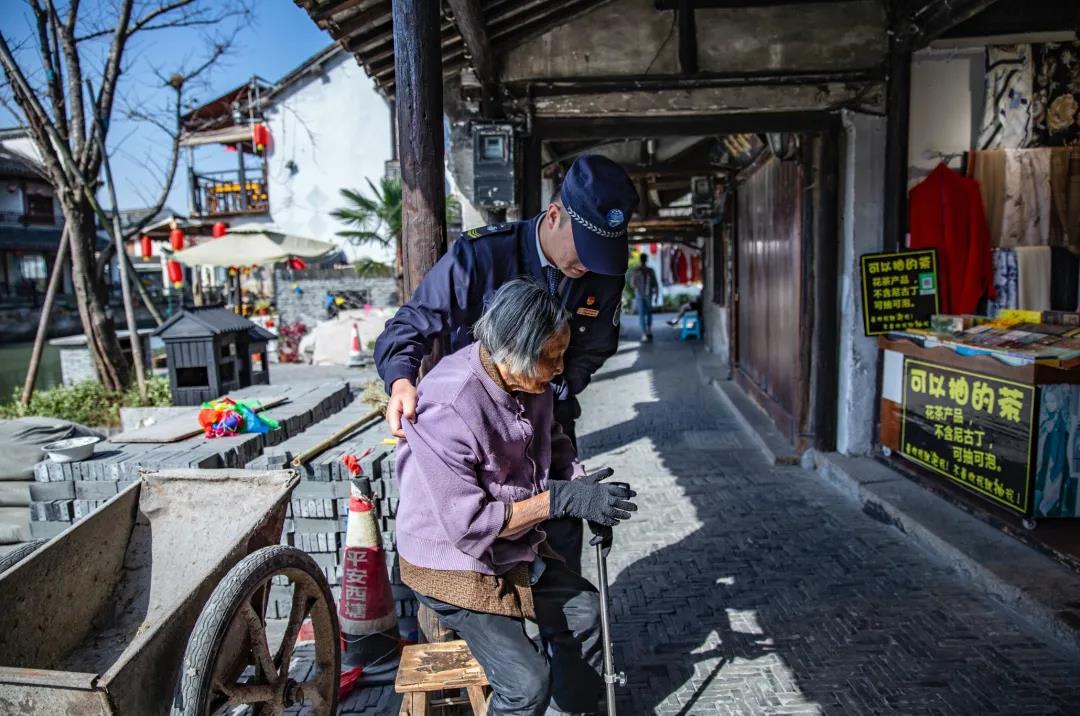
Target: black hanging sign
[899, 290]
[972, 428]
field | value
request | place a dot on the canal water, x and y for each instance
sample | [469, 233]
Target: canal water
[14, 358]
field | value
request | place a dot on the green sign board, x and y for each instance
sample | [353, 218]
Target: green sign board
[972, 428]
[899, 290]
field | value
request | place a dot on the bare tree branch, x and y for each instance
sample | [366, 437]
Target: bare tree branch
[77, 115]
[43, 20]
[36, 118]
[104, 103]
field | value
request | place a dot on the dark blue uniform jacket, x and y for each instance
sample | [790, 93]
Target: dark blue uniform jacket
[453, 294]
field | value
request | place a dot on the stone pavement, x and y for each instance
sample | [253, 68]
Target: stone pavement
[746, 588]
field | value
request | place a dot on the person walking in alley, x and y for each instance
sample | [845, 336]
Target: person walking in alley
[576, 248]
[483, 465]
[646, 291]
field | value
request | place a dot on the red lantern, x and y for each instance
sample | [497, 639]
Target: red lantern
[176, 239]
[219, 229]
[297, 264]
[260, 137]
[176, 273]
[146, 246]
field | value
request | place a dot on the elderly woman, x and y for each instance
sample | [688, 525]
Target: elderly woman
[474, 486]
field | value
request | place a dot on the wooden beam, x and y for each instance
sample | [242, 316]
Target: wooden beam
[635, 83]
[1012, 17]
[735, 4]
[581, 128]
[418, 77]
[936, 18]
[688, 54]
[469, 18]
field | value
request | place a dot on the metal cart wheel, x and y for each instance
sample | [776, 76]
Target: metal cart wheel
[20, 553]
[228, 661]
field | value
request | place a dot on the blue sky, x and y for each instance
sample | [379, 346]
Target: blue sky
[278, 38]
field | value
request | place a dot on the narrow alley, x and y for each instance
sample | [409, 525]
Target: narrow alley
[744, 588]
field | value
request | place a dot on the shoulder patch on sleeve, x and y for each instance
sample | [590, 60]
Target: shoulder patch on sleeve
[488, 230]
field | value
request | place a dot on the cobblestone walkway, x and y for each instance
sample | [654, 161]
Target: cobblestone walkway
[745, 588]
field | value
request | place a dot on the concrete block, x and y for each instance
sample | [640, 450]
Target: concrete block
[45, 491]
[47, 530]
[94, 490]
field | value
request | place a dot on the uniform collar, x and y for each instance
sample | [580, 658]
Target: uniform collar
[544, 263]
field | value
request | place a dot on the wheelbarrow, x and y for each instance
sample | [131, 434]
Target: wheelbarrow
[156, 603]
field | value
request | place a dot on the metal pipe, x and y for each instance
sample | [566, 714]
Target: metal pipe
[610, 677]
[336, 438]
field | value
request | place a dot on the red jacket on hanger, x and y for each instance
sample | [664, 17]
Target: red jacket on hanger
[945, 212]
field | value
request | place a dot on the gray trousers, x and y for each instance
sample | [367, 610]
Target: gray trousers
[524, 680]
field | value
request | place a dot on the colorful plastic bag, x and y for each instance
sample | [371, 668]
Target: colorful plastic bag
[225, 416]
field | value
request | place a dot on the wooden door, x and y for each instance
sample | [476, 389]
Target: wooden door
[770, 236]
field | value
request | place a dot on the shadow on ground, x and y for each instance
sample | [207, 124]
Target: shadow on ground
[747, 588]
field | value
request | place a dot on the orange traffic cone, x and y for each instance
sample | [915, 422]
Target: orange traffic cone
[354, 348]
[369, 631]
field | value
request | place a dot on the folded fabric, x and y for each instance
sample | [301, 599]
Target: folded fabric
[1065, 193]
[988, 168]
[1026, 217]
[1063, 278]
[1033, 269]
[1005, 282]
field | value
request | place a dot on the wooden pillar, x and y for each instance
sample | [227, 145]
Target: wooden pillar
[418, 89]
[532, 203]
[897, 112]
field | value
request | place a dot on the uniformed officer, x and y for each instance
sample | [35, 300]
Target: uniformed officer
[577, 247]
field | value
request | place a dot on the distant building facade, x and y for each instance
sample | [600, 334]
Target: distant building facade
[282, 152]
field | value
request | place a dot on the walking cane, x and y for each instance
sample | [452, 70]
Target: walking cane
[611, 678]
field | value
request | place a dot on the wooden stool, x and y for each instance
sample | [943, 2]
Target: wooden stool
[426, 668]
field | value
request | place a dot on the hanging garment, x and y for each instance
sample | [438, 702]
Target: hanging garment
[1064, 268]
[1065, 195]
[1033, 277]
[988, 168]
[695, 268]
[1057, 94]
[1026, 217]
[945, 212]
[1005, 282]
[1009, 81]
[681, 267]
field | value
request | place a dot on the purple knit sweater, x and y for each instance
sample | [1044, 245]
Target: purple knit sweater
[473, 448]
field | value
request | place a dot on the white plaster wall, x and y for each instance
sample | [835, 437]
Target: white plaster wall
[861, 225]
[336, 129]
[946, 107]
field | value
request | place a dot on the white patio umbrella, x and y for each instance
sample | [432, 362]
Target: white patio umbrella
[249, 244]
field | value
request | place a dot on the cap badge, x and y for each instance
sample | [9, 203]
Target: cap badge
[615, 218]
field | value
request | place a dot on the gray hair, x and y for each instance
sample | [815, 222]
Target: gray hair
[521, 317]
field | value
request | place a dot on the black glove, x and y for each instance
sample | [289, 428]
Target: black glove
[591, 500]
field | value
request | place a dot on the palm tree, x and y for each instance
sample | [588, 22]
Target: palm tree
[375, 220]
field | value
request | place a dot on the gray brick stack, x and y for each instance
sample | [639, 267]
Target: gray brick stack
[318, 513]
[66, 492]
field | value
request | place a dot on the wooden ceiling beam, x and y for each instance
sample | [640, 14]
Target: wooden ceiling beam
[469, 18]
